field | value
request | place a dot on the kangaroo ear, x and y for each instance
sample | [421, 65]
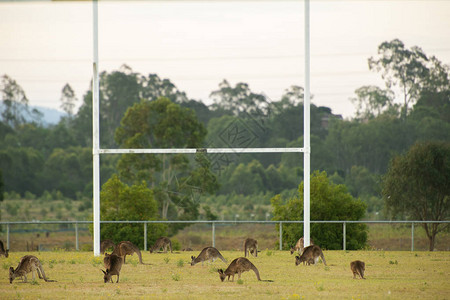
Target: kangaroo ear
[103, 272]
[220, 271]
[192, 257]
[297, 257]
[11, 270]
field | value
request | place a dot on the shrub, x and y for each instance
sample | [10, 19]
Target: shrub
[328, 202]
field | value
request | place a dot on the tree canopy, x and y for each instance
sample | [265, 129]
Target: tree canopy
[417, 185]
[328, 202]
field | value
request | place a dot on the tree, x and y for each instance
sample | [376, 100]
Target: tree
[371, 101]
[164, 124]
[14, 108]
[238, 99]
[68, 100]
[410, 70]
[154, 87]
[328, 202]
[120, 202]
[417, 185]
[2, 189]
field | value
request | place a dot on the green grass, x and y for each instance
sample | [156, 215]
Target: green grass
[417, 275]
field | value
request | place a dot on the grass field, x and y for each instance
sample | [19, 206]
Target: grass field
[390, 275]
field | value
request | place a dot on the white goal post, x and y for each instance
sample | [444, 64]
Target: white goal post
[96, 151]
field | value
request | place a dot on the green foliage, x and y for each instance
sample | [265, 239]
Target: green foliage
[2, 189]
[417, 185]
[122, 202]
[328, 202]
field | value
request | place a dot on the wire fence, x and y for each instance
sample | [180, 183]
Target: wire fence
[81, 228]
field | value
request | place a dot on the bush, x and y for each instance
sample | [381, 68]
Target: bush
[122, 202]
[328, 202]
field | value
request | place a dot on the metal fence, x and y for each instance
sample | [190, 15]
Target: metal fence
[213, 227]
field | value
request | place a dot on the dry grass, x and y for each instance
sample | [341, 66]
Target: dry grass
[390, 275]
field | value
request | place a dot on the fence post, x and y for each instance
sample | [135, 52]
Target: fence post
[412, 236]
[344, 242]
[145, 236]
[7, 236]
[213, 234]
[281, 236]
[76, 236]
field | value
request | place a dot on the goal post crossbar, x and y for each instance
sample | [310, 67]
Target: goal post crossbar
[200, 150]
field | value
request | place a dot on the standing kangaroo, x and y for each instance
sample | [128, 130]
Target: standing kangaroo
[299, 247]
[28, 263]
[162, 242]
[105, 245]
[3, 251]
[358, 267]
[252, 246]
[113, 264]
[310, 255]
[125, 248]
[208, 253]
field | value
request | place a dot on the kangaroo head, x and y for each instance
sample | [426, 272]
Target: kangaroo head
[298, 260]
[11, 274]
[221, 274]
[292, 250]
[107, 275]
[193, 260]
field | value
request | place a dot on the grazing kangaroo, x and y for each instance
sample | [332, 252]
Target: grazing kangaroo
[28, 263]
[125, 248]
[358, 267]
[299, 247]
[252, 246]
[113, 264]
[239, 266]
[208, 253]
[162, 242]
[3, 251]
[310, 255]
[106, 244]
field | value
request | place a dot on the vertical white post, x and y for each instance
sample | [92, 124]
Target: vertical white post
[96, 134]
[306, 134]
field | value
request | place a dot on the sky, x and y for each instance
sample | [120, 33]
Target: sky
[197, 44]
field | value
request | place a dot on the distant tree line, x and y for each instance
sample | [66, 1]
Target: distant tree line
[145, 111]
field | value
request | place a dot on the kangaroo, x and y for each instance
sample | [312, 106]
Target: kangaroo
[358, 267]
[299, 247]
[310, 255]
[252, 246]
[113, 264]
[3, 251]
[162, 242]
[208, 253]
[125, 248]
[28, 263]
[106, 244]
[238, 266]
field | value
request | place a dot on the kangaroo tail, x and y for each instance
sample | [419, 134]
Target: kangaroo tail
[256, 272]
[40, 271]
[323, 258]
[140, 256]
[222, 258]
